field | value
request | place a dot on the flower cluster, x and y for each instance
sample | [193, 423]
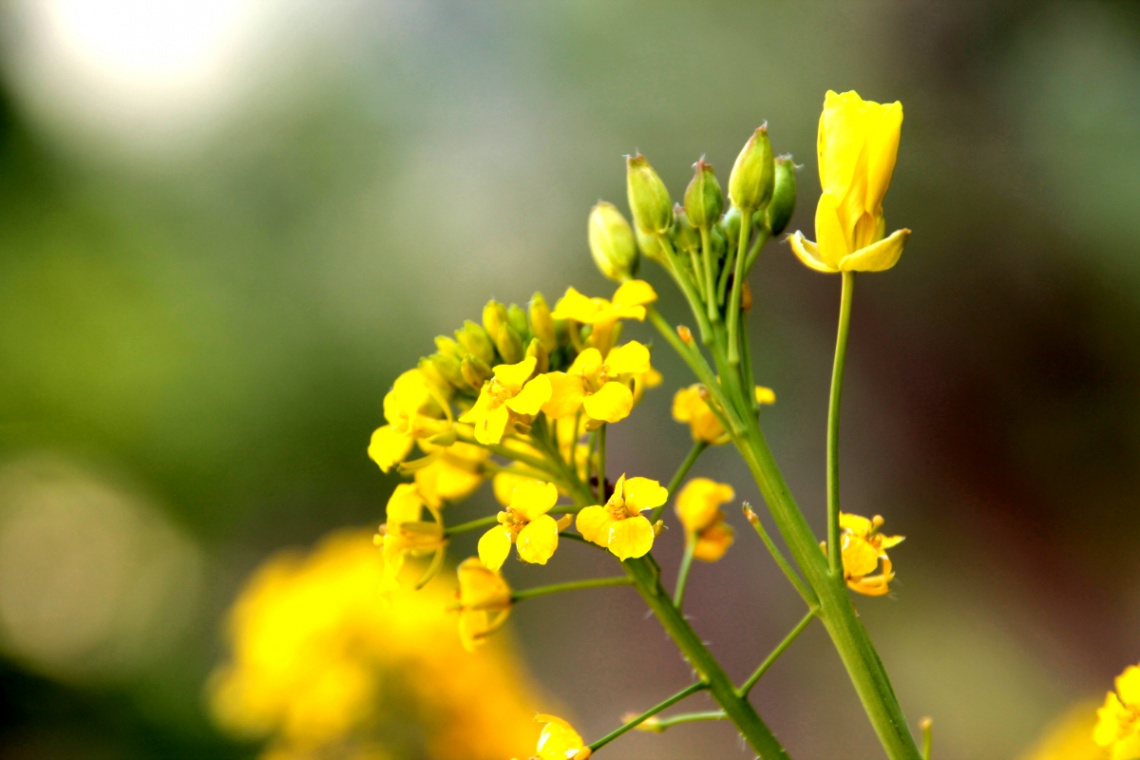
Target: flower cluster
[1118, 721]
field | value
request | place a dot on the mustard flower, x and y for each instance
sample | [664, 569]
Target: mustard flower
[1118, 721]
[484, 602]
[629, 302]
[415, 410]
[858, 144]
[863, 548]
[619, 525]
[526, 524]
[603, 388]
[450, 473]
[511, 398]
[698, 507]
[691, 406]
[406, 533]
[559, 741]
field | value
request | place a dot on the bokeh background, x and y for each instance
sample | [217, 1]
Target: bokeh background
[226, 226]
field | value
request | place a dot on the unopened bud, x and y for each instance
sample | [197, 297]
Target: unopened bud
[611, 242]
[648, 197]
[685, 334]
[753, 175]
[685, 235]
[510, 345]
[494, 319]
[517, 319]
[779, 211]
[541, 356]
[731, 225]
[476, 342]
[541, 323]
[449, 367]
[745, 297]
[434, 376]
[475, 371]
[650, 246]
[448, 346]
[703, 198]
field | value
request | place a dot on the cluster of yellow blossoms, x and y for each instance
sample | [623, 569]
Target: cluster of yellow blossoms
[1118, 721]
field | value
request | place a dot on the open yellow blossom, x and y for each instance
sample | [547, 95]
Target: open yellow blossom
[858, 144]
[406, 533]
[415, 410]
[698, 507]
[603, 388]
[450, 473]
[525, 524]
[559, 741]
[619, 525]
[484, 602]
[864, 547]
[691, 406]
[1118, 721]
[629, 302]
[512, 397]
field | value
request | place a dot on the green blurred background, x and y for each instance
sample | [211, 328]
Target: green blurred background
[226, 226]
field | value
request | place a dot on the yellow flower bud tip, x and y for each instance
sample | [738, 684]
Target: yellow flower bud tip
[541, 323]
[612, 243]
[745, 297]
[749, 515]
[704, 200]
[753, 176]
[649, 201]
[685, 334]
[779, 211]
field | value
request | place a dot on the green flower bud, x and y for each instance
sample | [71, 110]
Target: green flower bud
[541, 355]
[703, 198]
[541, 323]
[648, 197]
[718, 243]
[611, 242]
[684, 234]
[494, 319]
[517, 318]
[650, 245]
[475, 371]
[449, 367]
[476, 342]
[753, 175]
[731, 225]
[779, 211]
[428, 368]
[447, 346]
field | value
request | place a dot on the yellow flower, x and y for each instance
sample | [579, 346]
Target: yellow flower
[406, 533]
[691, 406]
[414, 409]
[619, 525]
[1118, 721]
[525, 524]
[858, 144]
[698, 506]
[601, 387]
[863, 549]
[505, 483]
[1069, 737]
[451, 473]
[559, 741]
[628, 303]
[484, 602]
[512, 397]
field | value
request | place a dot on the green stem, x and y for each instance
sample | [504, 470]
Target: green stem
[782, 561]
[834, 550]
[686, 692]
[558, 588]
[729, 265]
[737, 284]
[710, 280]
[602, 495]
[779, 650]
[746, 375]
[679, 475]
[754, 251]
[499, 450]
[683, 572]
[691, 295]
[927, 737]
[659, 726]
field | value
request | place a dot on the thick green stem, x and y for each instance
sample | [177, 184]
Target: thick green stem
[737, 284]
[629, 726]
[834, 550]
[558, 588]
[679, 475]
[775, 655]
[683, 572]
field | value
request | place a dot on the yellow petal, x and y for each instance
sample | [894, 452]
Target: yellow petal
[388, 447]
[574, 306]
[859, 557]
[713, 542]
[883, 130]
[1109, 719]
[505, 483]
[634, 293]
[612, 403]
[538, 540]
[842, 134]
[643, 493]
[699, 502]
[558, 740]
[492, 426]
[877, 257]
[594, 524]
[514, 375]
[808, 253]
[533, 498]
[631, 538]
[481, 587]
[404, 505]
[629, 359]
[1127, 748]
[765, 395]
[533, 395]
[479, 409]
[587, 363]
[857, 524]
[565, 395]
[1128, 686]
[494, 546]
[832, 242]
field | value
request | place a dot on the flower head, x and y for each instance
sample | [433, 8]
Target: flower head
[406, 533]
[604, 388]
[858, 144]
[690, 405]
[511, 398]
[698, 507]
[629, 302]
[415, 410]
[526, 524]
[1118, 721]
[864, 547]
[484, 602]
[619, 525]
[559, 740]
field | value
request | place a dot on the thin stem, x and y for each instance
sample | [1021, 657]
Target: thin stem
[557, 588]
[698, 277]
[686, 692]
[737, 283]
[710, 280]
[785, 566]
[754, 251]
[834, 551]
[507, 453]
[927, 737]
[746, 375]
[658, 726]
[729, 265]
[683, 572]
[602, 464]
[679, 475]
[691, 295]
[779, 650]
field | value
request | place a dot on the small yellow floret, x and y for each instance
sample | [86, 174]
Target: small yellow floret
[619, 525]
[406, 533]
[629, 302]
[526, 524]
[484, 602]
[415, 410]
[604, 389]
[698, 507]
[510, 399]
[691, 406]
[863, 548]
[559, 740]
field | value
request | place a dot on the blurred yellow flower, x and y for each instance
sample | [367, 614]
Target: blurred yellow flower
[619, 525]
[323, 663]
[510, 398]
[525, 524]
[863, 549]
[1118, 721]
[484, 602]
[603, 388]
[450, 473]
[415, 409]
[698, 507]
[629, 302]
[858, 144]
[1070, 737]
[406, 533]
[559, 740]
[691, 406]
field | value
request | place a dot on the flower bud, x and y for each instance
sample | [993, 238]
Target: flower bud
[648, 197]
[497, 322]
[703, 198]
[449, 367]
[650, 246]
[753, 175]
[517, 319]
[475, 371]
[541, 356]
[476, 342]
[611, 242]
[684, 234]
[731, 225]
[494, 319]
[447, 346]
[779, 211]
[541, 323]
